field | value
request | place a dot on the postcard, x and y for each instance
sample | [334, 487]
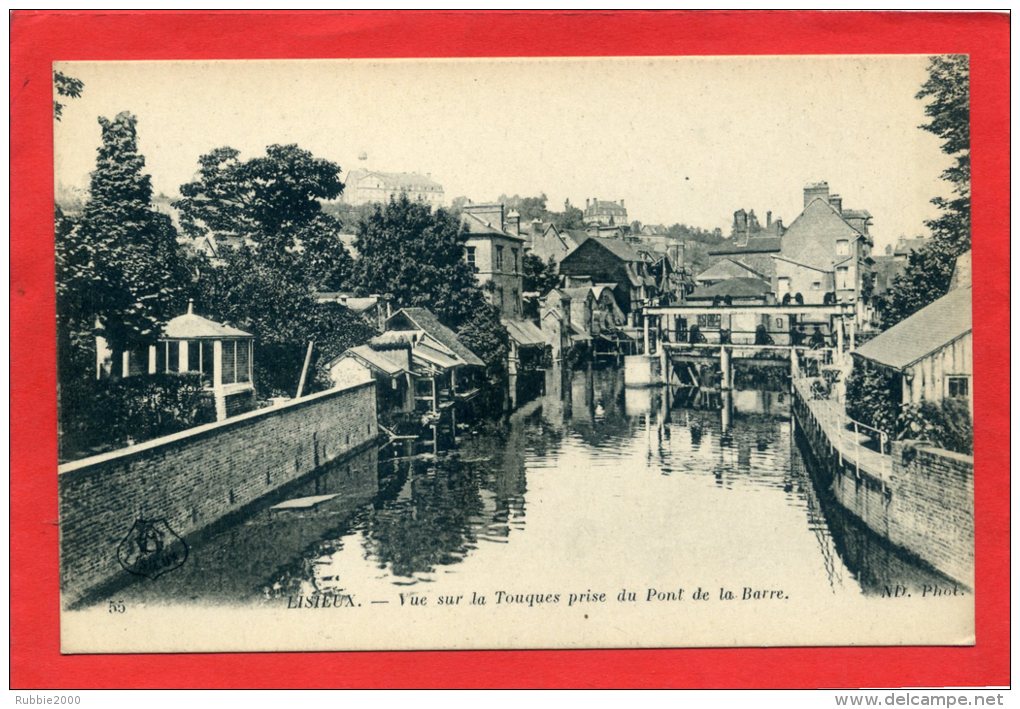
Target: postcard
[514, 353]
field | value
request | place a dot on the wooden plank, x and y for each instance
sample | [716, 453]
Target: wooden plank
[303, 503]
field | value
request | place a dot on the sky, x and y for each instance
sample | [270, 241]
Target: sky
[689, 139]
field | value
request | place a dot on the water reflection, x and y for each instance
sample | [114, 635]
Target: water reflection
[589, 478]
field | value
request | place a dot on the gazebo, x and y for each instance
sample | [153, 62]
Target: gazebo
[221, 354]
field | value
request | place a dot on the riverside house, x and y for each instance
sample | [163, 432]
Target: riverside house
[931, 352]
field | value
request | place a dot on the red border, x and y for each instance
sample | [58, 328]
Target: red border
[38, 38]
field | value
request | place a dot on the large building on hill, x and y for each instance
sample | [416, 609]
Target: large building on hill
[368, 186]
[604, 212]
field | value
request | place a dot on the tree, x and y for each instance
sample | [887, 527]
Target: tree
[119, 267]
[273, 203]
[417, 257]
[247, 290]
[929, 269]
[68, 87]
[539, 276]
[530, 208]
[570, 218]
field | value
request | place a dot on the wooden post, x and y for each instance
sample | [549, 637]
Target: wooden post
[304, 370]
[664, 363]
[726, 367]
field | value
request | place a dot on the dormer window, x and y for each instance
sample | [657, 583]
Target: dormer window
[843, 247]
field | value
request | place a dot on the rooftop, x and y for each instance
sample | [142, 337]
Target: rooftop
[929, 329]
[733, 287]
[194, 327]
[423, 319]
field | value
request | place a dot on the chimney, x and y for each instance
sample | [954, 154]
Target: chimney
[622, 204]
[768, 219]
[587, 202]
[816, 190]
[513, 222]
[837, 202]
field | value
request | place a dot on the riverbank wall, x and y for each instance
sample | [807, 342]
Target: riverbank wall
[921, 499]
[193, 479]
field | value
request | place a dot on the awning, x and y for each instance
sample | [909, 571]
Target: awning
[524, 332]
[434, 357]
[578, 335]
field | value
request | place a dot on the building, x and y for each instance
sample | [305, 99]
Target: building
[445, 370]
[611, 261]
[495, 249]
[550, 244]
[743, 327]
[755, 252]
[930, 353]
[388, 364]
[557, 326]
[219, 354]
[825, 254]
[725, 269]
[368, 186]
[904, 247]
[604, 212]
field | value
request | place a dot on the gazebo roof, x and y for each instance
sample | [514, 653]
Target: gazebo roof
[194, 327]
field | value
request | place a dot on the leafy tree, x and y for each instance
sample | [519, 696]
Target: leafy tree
[483, 333]
[872, 396]
[539, 276]
[457, 203]
[272, 202]
[119, 267]
[417, 257]
[530, 208]
[570, 218]
[928, 271]
[247, 290]
[68, 87]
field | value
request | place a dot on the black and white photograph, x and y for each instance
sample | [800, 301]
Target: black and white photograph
[514, 353]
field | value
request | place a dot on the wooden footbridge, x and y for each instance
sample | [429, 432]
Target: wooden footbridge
[667, 333]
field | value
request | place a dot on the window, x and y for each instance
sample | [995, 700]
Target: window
[471, 256]
[816, 285]
[516, 265]
[173, 356]
[779, 323]
[783, 286]
[843, 278]
[708, 321]
[243, 368]
[207, 361]
[516, 299]
[959, 387]
[499, 258]
[194, 362]
[500, 292]
[229, 365]
[842, 247]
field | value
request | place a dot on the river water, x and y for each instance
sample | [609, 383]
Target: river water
[591, 484]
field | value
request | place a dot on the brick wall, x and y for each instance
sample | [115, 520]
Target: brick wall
[932, 507]
[195, 478]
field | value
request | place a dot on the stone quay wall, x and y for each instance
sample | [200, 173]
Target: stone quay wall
[926, 507]
[195, 478]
